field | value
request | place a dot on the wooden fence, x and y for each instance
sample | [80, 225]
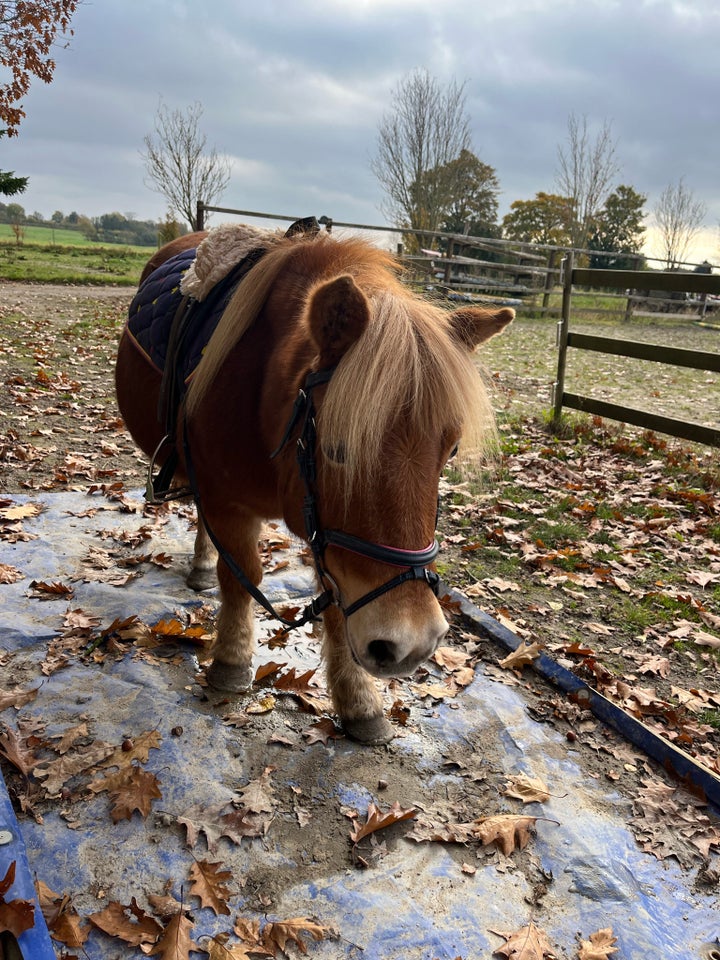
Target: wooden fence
[700, 285]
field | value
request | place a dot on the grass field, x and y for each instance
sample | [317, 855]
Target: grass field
[84, 263]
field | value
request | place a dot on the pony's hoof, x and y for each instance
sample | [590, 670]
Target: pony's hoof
[229, 677]
[374, 731]
[201, 579]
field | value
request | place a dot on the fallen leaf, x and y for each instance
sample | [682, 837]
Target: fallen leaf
[208, 884]
[129, 923]
[20, 511]
[521, 657]
[277, 934]
[16, 697]
[600, 945]
[175, 942]
[378, 819]
[10, 574]
[322, 731]
[137, 791]
[525, 788]
[528, 943]
[506, 831]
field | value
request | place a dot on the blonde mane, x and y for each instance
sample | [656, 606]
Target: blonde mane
[407, 364]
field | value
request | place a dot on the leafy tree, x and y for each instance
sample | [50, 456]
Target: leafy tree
[426, 130]
[28, 30]
[678, 216]
[9, 183]
[473, 191]
[178, 165]
[585, 173]
[545, 219]
[58, 217]
[619, 229]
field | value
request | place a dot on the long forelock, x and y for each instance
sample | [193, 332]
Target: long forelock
[407, 368]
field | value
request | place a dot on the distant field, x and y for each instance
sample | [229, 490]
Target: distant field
[73, 261]
[60, 236]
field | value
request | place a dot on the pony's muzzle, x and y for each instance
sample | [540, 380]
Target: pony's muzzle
[400, 650]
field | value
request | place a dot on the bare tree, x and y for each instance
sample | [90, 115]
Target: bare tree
[425, 130]
[678, 217]
[586, 171]
[178, 165]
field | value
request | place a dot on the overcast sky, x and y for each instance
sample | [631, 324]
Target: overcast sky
[294, 90]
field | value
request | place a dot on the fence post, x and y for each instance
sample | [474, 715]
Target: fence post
[549, 278]
[566, 269]
[200, 215]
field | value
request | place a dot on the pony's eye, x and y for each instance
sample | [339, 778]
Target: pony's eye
[453, 451]
[336, 454]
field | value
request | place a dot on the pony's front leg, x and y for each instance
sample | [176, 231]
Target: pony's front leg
[203, 573]
[355, 695]
[231, 668]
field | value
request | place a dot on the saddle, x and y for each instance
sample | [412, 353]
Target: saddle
[172, 328]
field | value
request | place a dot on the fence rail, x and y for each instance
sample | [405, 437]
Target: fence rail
[521, 274]
[696, 359]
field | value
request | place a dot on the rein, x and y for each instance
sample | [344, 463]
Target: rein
[414, 562]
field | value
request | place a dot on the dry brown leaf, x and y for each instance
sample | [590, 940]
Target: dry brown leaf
[61, 917]
[139, 750]
[507, 831]
[70, 737]
[525, 788]
[129, 923]
[16, 752]
[16, 697]
[322, 731]
[521, 657]
[378, 819]
[528, 943]
[10, 574]
[258, 795]
[50, 591]
[208, 884]
[276, 935]
[218, 948]
[175, 942]
[291, 683]
[600, 945]
[137, 791]
[20, 511]
[56, 773]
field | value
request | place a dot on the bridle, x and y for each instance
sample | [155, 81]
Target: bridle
[415, 563]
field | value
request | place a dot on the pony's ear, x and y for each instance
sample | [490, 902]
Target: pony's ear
[474, 325]
[337, 313]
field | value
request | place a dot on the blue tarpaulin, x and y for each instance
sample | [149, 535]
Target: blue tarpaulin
[415, 899]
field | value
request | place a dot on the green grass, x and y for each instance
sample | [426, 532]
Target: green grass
[62, 236]
[78, 263]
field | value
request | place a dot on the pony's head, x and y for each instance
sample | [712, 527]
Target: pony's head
[404, 392]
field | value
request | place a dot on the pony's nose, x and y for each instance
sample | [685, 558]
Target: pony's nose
[395, 657]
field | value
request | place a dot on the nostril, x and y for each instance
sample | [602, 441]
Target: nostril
[383, 652]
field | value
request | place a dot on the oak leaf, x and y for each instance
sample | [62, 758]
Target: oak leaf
[521, 657]
[10, 574]
[61, 917]
[20, 511]
[277, 934]
[528, 943]
[16, 752]
[258, 796]
[16, 697]
[208, 883]
[127, 922]
[57, 772]
[525, 788]
[139, 750]
[290, 682]
[600, 945]
[136, 791]
[175, 942]
[378, 819]
[507, 831]
[322, 731]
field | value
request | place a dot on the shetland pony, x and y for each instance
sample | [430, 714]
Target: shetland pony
[322, 354]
